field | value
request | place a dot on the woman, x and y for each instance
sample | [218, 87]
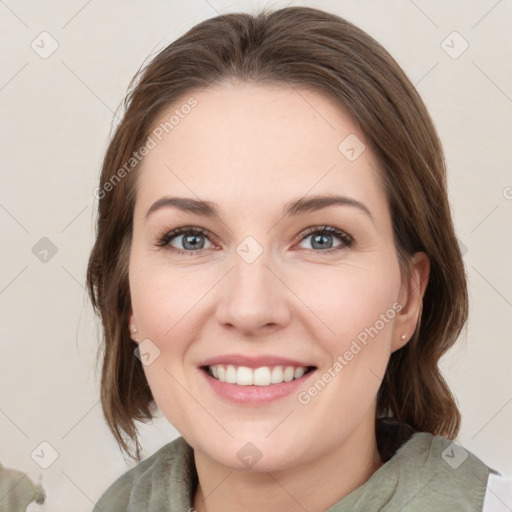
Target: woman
[277, 271]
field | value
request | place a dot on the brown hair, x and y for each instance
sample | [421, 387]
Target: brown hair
[303, 47]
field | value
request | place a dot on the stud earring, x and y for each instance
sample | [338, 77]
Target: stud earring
[134, 330]
[403, 336]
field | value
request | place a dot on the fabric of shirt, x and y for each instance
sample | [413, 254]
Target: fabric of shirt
[423, 473]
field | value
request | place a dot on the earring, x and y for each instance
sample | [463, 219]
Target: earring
[134, 330]
[403, 336]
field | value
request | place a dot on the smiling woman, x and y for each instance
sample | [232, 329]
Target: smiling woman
[279, 275]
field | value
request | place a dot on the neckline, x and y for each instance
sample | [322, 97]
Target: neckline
[393, 438]
[385, 479]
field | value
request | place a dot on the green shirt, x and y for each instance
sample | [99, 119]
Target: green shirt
[425, 473]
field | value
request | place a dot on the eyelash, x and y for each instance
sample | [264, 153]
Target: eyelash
[347, 240]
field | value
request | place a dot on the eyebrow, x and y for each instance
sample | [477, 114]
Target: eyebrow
[295, 207]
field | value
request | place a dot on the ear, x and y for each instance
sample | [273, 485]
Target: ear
[132, 326]
[411, 297]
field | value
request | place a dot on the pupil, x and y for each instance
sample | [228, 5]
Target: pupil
[319, 238]
[187, 240]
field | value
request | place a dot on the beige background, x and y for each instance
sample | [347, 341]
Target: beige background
[56, 119]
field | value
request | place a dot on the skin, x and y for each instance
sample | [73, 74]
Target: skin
[250, 149]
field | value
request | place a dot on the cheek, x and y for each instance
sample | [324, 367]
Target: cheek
[166, 304]
[159, 300]
[162, 306]
[357, 312]
[351, 303]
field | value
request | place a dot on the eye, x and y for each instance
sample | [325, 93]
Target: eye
[190, 239]
[322, 238]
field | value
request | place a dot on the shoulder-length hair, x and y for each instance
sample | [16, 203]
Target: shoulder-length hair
[302, 47]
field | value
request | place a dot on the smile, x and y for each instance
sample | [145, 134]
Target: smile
[261, 376]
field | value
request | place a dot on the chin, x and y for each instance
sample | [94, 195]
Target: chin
[254, 453]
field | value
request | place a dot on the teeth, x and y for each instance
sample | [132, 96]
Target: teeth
[263, 376]
[244, 376]
[288, 373]
[277, 375]
[299, 372]
[231, 374]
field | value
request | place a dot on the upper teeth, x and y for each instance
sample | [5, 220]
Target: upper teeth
[263, 376]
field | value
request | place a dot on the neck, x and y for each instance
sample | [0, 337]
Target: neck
[313, 485]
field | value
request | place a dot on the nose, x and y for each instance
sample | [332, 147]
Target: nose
[255, 300]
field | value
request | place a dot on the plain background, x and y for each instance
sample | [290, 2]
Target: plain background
[56, 120]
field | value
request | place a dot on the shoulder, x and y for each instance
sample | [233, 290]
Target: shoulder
[438, 471]
[148, 481]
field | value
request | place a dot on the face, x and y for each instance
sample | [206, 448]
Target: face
[257, 294]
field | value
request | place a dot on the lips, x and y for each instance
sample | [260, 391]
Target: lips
[254, 379]
[254, 362]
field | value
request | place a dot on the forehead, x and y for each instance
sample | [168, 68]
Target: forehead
[259, 145]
